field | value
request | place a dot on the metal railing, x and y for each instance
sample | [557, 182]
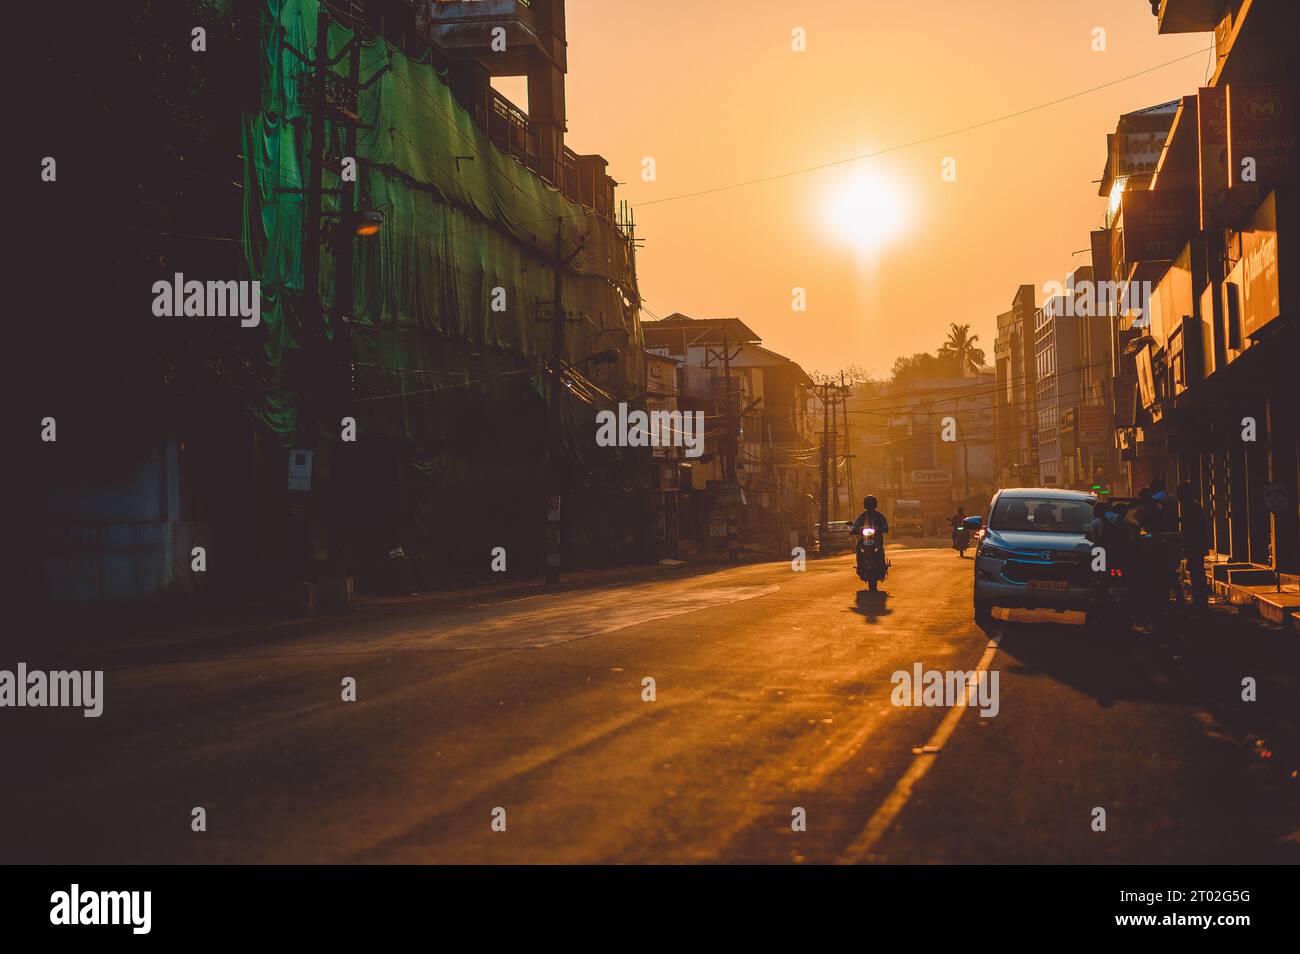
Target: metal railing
[513, 133]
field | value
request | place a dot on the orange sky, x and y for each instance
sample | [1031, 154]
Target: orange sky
[712, 90]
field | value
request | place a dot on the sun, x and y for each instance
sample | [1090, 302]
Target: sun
[865, 210]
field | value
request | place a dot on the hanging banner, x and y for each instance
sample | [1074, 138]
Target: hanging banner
[1261, 135]
[1094, 425]
[1156, 225]
[1257, 271]
[1212, 136]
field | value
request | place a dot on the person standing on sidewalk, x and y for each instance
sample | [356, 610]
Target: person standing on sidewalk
[1196, 542]
[1169, 542]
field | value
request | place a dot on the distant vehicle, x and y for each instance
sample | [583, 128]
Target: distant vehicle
[907, 518]
[838, 536]
[1034, 551]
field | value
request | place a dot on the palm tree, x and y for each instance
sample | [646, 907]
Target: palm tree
[960, 348]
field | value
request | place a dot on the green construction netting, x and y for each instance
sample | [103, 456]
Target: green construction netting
[454, 231]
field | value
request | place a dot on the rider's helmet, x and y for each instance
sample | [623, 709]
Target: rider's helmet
[868, 502]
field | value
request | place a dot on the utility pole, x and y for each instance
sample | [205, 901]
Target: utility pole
[826, 444]
[834, 452]
[309, 373]
[324, 379]
[848, 443]
[311, 236]
[554, 424]
[343, 237]
[554, 444]
[339, 362]
[731, 423]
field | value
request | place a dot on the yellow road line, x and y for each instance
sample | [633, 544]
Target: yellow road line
[884, 816]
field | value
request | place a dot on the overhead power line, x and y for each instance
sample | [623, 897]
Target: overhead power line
[918, 142]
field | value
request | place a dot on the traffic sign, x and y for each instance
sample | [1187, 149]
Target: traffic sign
[1275, 497]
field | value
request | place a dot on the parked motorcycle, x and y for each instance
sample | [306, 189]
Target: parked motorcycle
[1110, 608]
[872, 566]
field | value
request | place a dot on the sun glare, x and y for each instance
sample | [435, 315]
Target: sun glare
[866, 210]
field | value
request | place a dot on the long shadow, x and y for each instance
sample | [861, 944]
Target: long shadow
[871, 605]
[1108, 665]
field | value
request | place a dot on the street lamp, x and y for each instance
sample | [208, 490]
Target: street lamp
[367, 223]
[608, 356]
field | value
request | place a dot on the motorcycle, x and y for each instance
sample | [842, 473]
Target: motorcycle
[1109, 607]
[872, 566]
[961, 538]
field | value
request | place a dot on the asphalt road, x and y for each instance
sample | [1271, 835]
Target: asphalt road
[772, 693]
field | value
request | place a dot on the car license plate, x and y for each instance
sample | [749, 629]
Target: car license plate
[1057, 586]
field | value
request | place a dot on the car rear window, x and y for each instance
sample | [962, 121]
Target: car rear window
[1042, 514]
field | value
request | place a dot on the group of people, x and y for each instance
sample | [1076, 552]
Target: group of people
[1148, 539]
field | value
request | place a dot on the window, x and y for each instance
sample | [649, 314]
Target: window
[1232, 313]
[1040, 514]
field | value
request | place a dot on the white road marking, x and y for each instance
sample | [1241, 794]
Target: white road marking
[884, 816]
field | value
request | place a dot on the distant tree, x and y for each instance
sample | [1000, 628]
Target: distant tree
[853, 374]
[960, 348]
[923, 364]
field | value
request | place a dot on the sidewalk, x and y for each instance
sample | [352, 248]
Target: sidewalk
[1225, 646]
[1256, 590]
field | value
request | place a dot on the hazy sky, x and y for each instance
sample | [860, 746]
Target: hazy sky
[713, 91]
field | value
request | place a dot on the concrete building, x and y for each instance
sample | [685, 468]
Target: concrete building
[1015, 406]
[751, 484]
[662, 389]
[1064, 330]
[1217, 233]
[1133, 152]
[942, 443]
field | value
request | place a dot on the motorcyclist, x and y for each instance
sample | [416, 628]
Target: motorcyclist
[872, 517]
[955, 522]
[1108, 532]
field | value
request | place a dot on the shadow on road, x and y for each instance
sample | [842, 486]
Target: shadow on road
[1108, 666]
[872, 605]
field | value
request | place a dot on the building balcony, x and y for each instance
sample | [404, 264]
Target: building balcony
[474, 27]
[1190, 16]
[467, 34]
[582, 178]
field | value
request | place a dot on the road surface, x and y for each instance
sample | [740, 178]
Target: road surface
[772, 693]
